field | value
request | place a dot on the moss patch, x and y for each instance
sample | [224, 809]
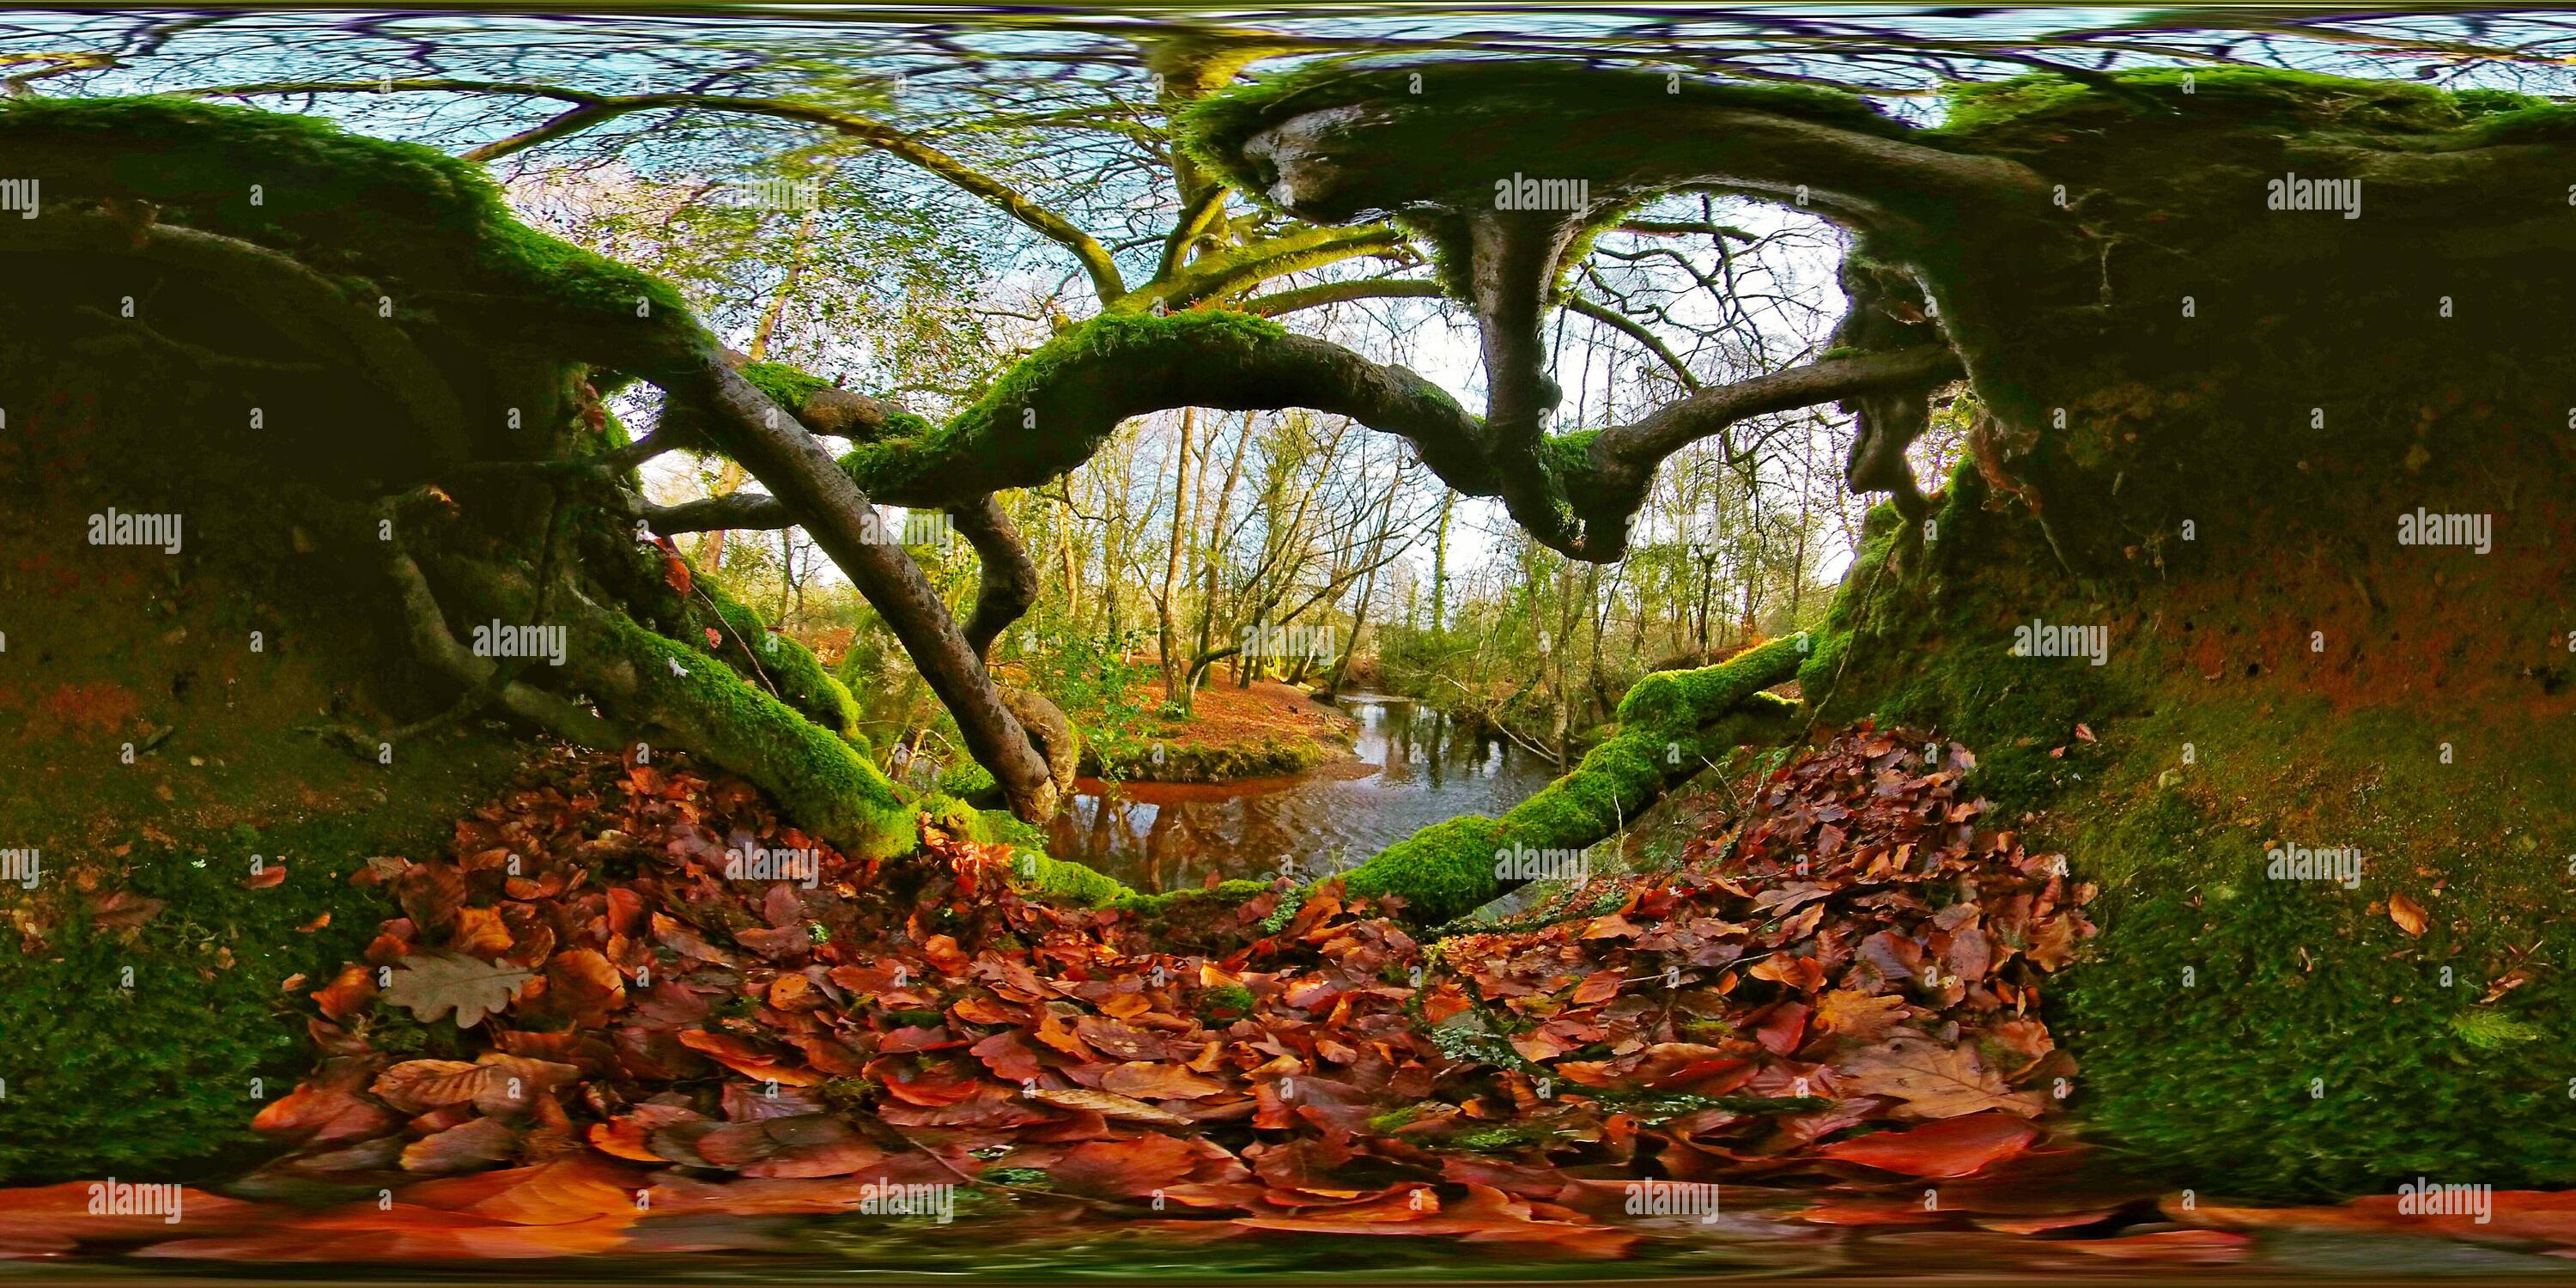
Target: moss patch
[1670, 724]
[159, 1077]
[341, 201]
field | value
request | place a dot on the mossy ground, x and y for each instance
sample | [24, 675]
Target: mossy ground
[2248, 1035]
[143, 1051]
[209, 664]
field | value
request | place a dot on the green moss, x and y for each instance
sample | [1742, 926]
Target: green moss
[1495, 1140]
[1671, 724]
[2308, 1053]
[157, 1079]
[1143, 756]
[823, 783]
[1676, 701]
[345, 203]
[2027, 108]
[2487, 102]
[1190, 906]
[786, 385]
[1468, 95]
[1055, 880]
[967, 779]
[904, 424]
[1226, 1002]
[2493, 1030]
[916, 451]
[1442, 871]
[1002, 827]
[1394, 1120]
[787, 667]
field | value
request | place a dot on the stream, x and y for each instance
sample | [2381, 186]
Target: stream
[1416, 767]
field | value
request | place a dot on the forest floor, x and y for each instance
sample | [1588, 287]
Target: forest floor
[1231, 733]
[1830, 1006]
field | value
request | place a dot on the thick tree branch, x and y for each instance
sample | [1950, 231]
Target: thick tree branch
[1135, 366]
[1007, 585]
[782, 454]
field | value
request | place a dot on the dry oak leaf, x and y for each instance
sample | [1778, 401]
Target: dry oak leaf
[430, 984]
[416, 1086]
[466, 1147]
[1932, 1080]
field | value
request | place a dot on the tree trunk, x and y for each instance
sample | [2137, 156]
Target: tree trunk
[1164, 608]
[1440, 563]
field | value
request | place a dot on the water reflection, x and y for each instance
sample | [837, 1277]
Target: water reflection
[1416, 767]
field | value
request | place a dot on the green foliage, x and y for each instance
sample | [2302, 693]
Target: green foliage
[1094, 684]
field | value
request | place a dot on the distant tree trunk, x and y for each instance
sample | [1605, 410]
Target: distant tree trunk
[1440, 562]
[1359, 621]
[1072, 574]
[1212, 552]
[1170, 638]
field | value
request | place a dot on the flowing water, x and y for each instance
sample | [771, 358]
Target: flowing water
[1416, 767]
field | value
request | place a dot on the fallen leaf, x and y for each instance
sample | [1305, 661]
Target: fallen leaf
[1158, 1082]
[1108, 1104]
[1950, 1148]
[1931, 1079]
[1850, 1013]
[2408, 914]
[430, 984]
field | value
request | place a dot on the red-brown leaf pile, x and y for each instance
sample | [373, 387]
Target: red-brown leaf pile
[1859, 946]
[1845, 984]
